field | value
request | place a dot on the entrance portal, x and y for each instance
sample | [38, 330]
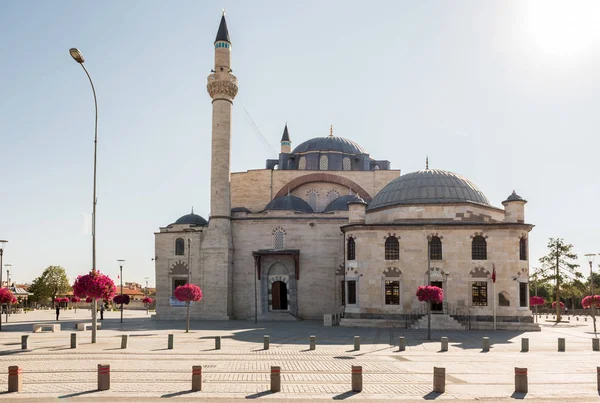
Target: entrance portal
[279, 296]
[437, 308]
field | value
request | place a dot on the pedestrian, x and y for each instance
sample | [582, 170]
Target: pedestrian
[102, 312]
[57, 311]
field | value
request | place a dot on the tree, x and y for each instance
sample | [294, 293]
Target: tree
[50, 284]
[558, 265]
[188, 293]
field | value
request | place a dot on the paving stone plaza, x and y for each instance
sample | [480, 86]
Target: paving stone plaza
[147, 370]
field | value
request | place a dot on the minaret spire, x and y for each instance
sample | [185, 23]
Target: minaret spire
[222, 33]
[286, 143]
[330, 130]
[427, 162]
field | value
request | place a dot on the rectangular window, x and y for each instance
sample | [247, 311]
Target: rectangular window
[351, 292]
[479, 295]
[177, 282]
[523, 294]
[392, 292]
[343, 292]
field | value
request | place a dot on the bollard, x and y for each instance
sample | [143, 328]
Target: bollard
[196, 378]
[561, 344]
[357, 344]
[439, 380]
[24, 341]
[275, 379]
[578, 319]
[15, 379]
[73, 340]
[313, 342]
[401, 343]
[357, 381]
[444, 344]
[520, 380]
[124, 339]
[170, 342]
[596, 344]
[598, 378]
[524, 345]
[217, 342]
[103, 376]
[586, 318]
[266, 341]
[486, 344]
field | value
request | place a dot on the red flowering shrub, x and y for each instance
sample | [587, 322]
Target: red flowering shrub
[430, 293]
[75, 299]
[147, 300]
[95, 285]
[589, 301]
[535, 301]
[188, 293]
[14, 300]
[121, 299]
[89, 299]
[562, 305]
[6, 296]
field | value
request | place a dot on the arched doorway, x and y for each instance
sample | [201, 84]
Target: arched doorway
[279, 296]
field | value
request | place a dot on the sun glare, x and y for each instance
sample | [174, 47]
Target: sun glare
[564, 28]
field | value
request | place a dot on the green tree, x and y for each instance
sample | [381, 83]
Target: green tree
[50, 284]
[558, 265]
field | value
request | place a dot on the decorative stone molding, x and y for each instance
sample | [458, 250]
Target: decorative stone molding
[323, 177]
[479, 234]
[179, 267]
[348, 236]
[391, 234]
[437, 274]
[351, 270]
[219, 85]
[339, 271]
[479, 272]
[435, 234]
[392, 272]
[278, 229]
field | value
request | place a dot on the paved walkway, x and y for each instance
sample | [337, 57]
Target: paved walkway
[147, 370]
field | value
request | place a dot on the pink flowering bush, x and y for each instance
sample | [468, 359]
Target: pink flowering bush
[147, 300]
[75, 299]
[430, 293]
[94, 285]
[535, 301]
[6, 296]
[121, 299]
[188, 293]
[89, 299]
[562, 305]
[14, 300]
[589, 301]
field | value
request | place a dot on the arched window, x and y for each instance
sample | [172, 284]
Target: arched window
[323, 163]
[302, 163]
[392, 248]
[346, 164]
[523, 248]
[279, 238]
[332, 195]
[435, 248]
[179, 246]
[312, 198]
[479, 248]
[351, 249]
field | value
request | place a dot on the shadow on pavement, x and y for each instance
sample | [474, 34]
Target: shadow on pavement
[259, 394]
[184, 392]
[345, 395]
[432, 396]
[518, 395]
[87, 392]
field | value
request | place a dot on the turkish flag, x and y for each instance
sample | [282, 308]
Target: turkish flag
[494, 273]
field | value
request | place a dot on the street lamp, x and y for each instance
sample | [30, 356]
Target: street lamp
[590, 258]
[8, 268]
[2, 246]
[78, 57]
[429, 283]
[121, 261]
[146, 295]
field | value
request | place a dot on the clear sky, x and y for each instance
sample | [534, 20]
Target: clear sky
[504, 93]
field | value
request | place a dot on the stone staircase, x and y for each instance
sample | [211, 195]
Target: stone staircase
[277, 316]
[439, 321]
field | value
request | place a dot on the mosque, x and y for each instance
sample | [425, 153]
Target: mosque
[327, 228]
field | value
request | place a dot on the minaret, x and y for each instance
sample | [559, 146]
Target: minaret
[286, 143]
[216, 270]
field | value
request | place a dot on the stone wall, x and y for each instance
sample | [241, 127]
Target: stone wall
[443, 212]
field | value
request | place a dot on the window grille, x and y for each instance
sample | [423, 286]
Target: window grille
[343, 292]
[392, 292]
[302, 163]
[523, 249]
[312, 199]
[323, 163]
[332, 195]
[351, 249]
[177, 282]
[346, 164]
[435, 248]
[392, 248]
[479, 248]
[351, 292]
[479, 293]
[278, 239]
[523, 294]
[179, 246]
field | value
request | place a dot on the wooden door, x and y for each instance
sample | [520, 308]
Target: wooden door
[437, 307]
[275, 295]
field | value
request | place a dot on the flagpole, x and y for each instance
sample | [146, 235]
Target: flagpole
[494, 294]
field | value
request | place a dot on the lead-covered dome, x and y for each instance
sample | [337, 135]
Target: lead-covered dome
[330, 143]
[341, 203]
[192, 219]
[430, 186]
[289, 202]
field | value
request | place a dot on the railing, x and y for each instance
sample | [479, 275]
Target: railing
[413, 316]
[459, 313]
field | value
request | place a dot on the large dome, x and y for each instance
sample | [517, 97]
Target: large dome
[330, 143]
[430, 186]
[193, 219]
[341, 203]
[289, 202]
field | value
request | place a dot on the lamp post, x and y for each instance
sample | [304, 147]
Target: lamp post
[428, 283]
[121, 262]
[78, 57]
[2, 245]
[8, 267]
[146, 294]
[590, 258]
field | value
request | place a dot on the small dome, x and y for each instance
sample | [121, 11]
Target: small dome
[430, 186]
[341, 203]
[192, 219]
[514, 197]
[289, 202]
[330, 143]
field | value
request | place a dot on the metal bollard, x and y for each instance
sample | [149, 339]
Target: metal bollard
[598, 377]
[439, 380]
[401, 343]
[444, 344]
[196, 378]
[561, 344]
[586, 318]
[578, 319]
[15, 379]
[275, 379]
[217, 342]
[357, 380]
[313, 342]
[524, 345]
[24, 341]
[357, 344]
[124, 339]
[170, 341]
[103, 376]
[266, 341]
[521, 380]
[595, 344]
[73, 340]
[486, 344]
